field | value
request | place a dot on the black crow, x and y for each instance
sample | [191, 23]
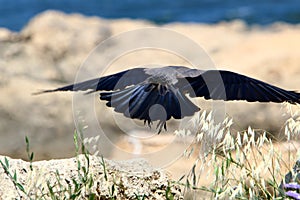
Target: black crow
[152, 94]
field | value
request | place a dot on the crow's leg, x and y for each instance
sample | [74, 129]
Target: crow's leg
[149, 122]
[161, 124]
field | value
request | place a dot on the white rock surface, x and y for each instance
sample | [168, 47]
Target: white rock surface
[129, 178]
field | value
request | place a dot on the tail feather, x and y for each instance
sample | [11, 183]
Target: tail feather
[138, 102]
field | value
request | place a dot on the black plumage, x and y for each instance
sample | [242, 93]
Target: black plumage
[158, 94]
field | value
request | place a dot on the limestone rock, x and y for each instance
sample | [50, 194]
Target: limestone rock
[118, 179]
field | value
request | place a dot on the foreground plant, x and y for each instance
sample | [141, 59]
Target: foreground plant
[242, 165]
[12, 174]
[79, 187]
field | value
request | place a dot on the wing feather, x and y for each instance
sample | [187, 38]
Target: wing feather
[111, 82]
[214, 84]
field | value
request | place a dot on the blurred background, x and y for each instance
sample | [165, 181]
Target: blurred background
[15, 14]
[43, 44]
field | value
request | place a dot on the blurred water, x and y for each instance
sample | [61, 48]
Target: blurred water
[15, 14]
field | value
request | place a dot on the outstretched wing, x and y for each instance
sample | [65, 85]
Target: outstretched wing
[226, 85]
[111, 82]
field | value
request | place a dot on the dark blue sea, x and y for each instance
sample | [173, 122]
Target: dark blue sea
[14, 14]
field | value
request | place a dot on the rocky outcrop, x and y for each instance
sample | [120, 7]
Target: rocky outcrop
[83, 177]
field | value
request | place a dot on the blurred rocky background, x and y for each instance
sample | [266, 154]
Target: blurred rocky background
[49, 50]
